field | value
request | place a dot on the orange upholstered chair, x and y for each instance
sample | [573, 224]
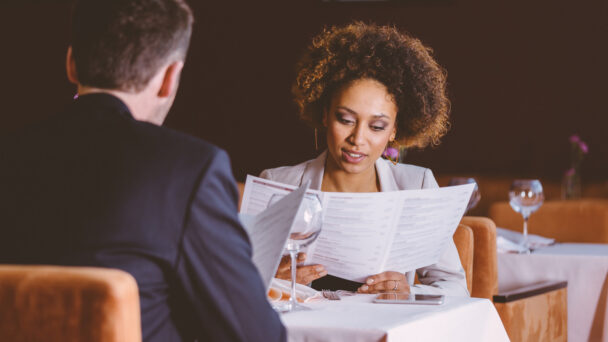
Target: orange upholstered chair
[64, 304]
[463, 239]
[533, 313]
[584, 220]
[485, 264]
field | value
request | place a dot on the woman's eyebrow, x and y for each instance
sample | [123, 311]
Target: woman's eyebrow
[379, 115]
[348, 110]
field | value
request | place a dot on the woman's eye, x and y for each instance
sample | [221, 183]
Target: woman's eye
[344, 120]
[377, 128]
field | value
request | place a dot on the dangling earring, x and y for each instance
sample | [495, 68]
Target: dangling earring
[316, 140]
[391, 153]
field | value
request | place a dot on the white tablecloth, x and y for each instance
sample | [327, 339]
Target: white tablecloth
[356, 319]
[583, 265]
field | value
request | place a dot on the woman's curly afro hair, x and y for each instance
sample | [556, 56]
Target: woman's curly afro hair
[341, 55]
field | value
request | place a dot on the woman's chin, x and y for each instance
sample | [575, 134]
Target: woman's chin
[354, 168]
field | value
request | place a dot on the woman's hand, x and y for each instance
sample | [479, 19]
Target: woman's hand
[304, 274]
[389, 281]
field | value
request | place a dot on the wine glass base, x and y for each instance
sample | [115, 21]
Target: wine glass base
[525, 251]
[286, 307]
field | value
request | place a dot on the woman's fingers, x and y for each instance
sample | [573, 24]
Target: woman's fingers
[384, 276]
[388, 281]
[301, 257]
[285, 264]
[306, 274]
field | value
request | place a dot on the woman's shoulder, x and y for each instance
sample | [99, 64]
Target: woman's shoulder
[408, 176]
[286, 174]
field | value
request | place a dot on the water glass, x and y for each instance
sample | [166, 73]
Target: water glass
[306, 228]
[525, 197]
[475, 196]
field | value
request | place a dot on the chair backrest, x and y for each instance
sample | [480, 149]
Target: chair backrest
[584, 220]
[485, 263]
[58, 303]
[463, 239]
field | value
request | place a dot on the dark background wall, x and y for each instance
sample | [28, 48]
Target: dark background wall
[524, 76]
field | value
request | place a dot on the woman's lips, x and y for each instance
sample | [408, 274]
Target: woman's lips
[352, 157]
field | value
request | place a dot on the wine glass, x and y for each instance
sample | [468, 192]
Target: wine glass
[306, 228]
[525, 197]
[475, 196]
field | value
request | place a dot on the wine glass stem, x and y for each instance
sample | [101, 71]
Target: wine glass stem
[525, 241]
[292, 298]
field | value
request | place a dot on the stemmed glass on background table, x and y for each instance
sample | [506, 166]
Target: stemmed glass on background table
[475, 196]
[525, 197]
[306, 229]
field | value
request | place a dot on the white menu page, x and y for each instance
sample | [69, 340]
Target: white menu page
[368, 233]
[269, 230]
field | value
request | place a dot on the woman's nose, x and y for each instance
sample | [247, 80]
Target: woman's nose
[357, 136]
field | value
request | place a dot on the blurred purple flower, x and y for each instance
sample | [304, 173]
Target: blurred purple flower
[575, 138]
[76, 96]
[584, 148]
[391, 153]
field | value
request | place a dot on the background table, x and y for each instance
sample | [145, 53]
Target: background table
[356, 319]
[583, 265]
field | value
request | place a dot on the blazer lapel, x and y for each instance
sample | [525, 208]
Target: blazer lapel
[385, 175]
[314, 171]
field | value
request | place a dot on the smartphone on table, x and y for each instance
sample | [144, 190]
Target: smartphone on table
[405, 298]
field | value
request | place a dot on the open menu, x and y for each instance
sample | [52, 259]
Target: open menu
[268, 231]
[368, 233]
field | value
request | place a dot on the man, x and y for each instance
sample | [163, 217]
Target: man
[103, 185]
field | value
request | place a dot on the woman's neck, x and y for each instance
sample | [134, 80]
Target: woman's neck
[337, 180]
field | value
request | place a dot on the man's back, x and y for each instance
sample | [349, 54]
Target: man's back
[96, 187]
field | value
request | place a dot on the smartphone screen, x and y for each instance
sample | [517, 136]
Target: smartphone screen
[402, 298]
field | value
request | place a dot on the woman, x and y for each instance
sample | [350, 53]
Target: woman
[368, 87]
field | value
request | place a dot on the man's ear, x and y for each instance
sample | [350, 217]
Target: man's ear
[70, 67]
[170, 79]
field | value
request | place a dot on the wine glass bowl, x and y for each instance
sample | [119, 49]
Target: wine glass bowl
[525, 197]
[305, 230]
[475, 195]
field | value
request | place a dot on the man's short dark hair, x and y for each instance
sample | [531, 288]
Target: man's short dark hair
[121, 44]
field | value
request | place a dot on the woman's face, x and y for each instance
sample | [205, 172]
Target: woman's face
[360, 122]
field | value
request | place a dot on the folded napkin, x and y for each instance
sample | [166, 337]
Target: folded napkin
[509, 241]
[280, 290]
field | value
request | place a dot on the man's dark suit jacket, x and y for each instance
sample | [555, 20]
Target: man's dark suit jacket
[95, 187]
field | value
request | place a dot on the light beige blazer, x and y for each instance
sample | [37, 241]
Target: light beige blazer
[445, 277]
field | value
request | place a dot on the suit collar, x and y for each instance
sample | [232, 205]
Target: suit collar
[316, 168]
[103, 100]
